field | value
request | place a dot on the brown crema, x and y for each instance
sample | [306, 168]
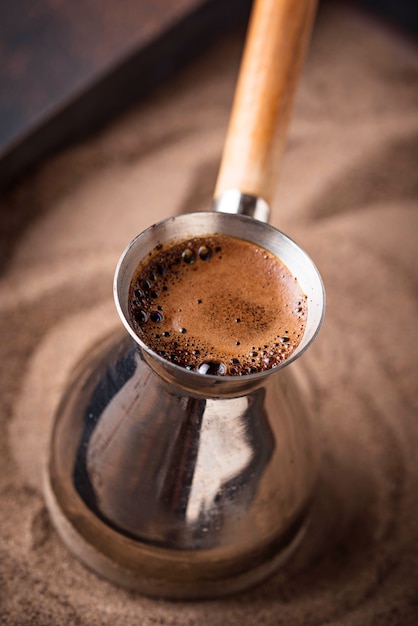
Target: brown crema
[217, 304]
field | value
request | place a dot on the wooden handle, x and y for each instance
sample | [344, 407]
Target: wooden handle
[277, 39]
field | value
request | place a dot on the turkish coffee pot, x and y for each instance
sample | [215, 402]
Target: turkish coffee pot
[187, 485]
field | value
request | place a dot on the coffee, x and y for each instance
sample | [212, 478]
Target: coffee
[217, 304]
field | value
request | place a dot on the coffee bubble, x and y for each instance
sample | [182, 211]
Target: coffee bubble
[204, 253]
[214, 368]
[141, 316]
[188, 256]
[156, 316]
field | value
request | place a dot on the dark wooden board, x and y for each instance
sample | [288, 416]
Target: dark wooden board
[68, 67]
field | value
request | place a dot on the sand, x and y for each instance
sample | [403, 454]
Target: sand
[348, 194]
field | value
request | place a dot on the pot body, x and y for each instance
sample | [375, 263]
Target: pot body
[172, 493]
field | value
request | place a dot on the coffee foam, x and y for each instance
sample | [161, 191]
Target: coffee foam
[217, 304]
